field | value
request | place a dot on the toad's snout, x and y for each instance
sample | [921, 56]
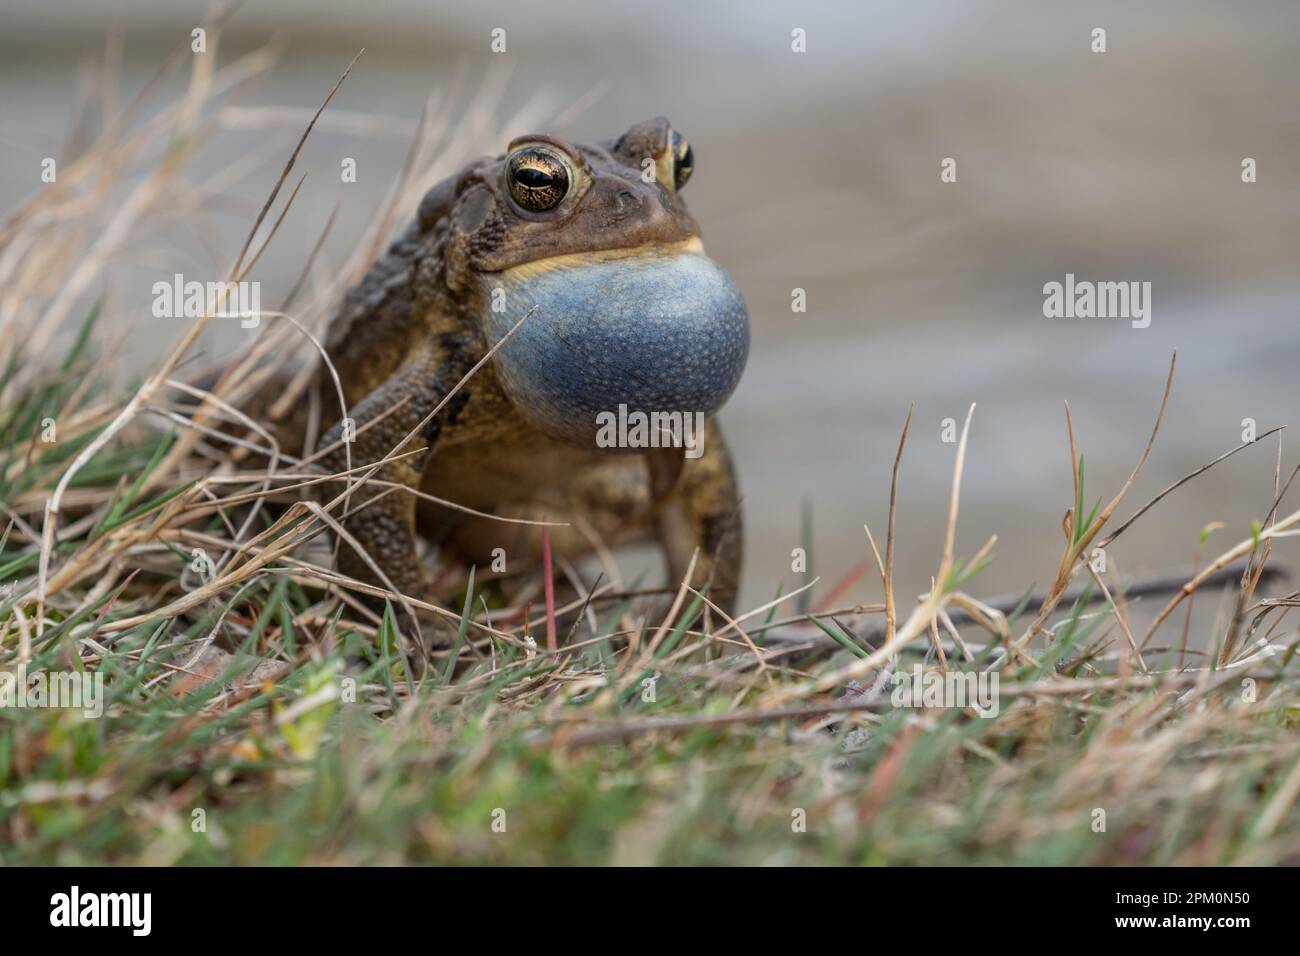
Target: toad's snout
[660, 332]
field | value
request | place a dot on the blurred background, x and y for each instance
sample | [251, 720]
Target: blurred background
[821, 171]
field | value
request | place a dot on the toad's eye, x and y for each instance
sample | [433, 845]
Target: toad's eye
[539, 178]
[683, 160]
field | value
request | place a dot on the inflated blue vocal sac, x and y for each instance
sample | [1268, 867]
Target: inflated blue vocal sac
[660, 333]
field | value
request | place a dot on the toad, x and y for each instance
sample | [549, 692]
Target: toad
[584, 259]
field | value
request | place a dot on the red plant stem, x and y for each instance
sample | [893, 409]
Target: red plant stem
[550, 588]
[846, 582]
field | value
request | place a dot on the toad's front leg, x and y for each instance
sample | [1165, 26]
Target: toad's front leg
[379, 514]
[699, 507]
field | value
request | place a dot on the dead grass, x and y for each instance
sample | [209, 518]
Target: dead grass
[258, 711]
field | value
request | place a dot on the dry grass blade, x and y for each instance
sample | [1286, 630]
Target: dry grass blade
[891, 614]
[1083, 537]
[265, 682]
[919, 621]
[146, 391]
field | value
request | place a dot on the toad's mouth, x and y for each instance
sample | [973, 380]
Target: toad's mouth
[656, 329]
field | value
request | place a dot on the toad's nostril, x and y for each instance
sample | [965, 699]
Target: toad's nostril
[625, 202]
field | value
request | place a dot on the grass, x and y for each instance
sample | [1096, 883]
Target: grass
[257, 712]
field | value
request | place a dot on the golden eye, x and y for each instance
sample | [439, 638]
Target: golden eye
[539, 178]
[683, 160]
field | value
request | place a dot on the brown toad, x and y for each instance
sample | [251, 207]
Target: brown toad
[623, 317]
